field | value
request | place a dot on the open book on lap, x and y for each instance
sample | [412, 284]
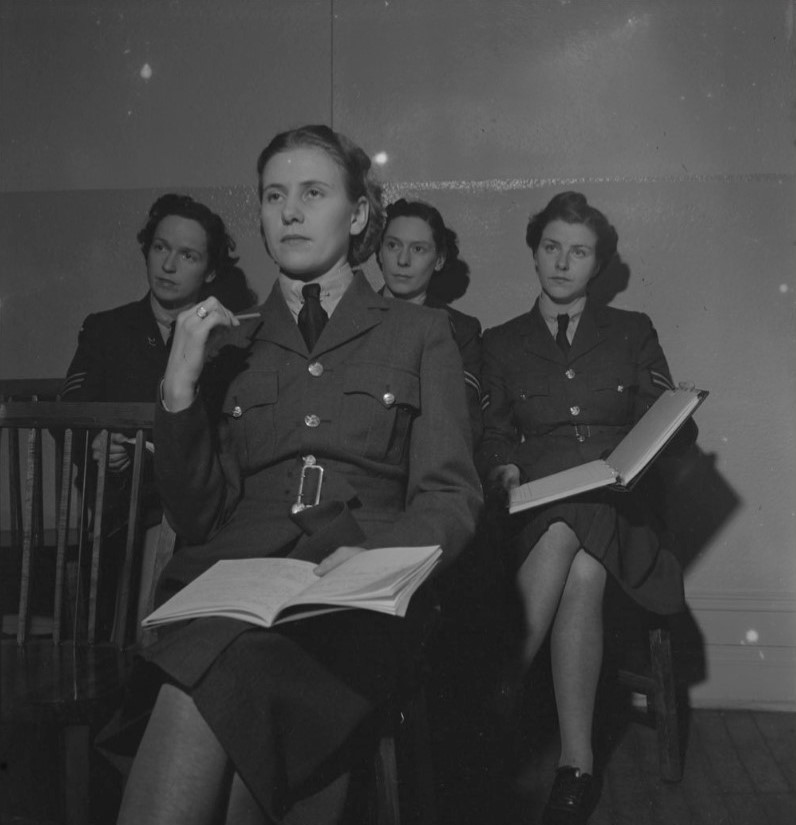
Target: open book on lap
[266, 591]
[651, 433]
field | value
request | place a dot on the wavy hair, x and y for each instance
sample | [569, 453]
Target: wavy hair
[572, 207]
[357, 175]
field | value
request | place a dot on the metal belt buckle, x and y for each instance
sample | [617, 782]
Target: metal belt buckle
[309, 465]
[582, 432]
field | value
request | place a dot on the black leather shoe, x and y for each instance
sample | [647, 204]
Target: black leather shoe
[572, 798]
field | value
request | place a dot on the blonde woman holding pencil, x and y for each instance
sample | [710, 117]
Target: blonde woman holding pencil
[343, 427]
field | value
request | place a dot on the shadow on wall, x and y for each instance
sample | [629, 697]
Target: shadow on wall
[696, 501]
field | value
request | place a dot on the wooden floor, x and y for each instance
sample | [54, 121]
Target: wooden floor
[740, 769]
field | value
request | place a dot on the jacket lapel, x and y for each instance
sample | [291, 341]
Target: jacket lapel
[277, 325]
[359, 310]
[145, 330]
[536, 337]
[588, 334]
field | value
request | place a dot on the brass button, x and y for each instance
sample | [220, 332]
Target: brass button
[312, 420]
[570, 373]
[237, 412]
[315, 368]
[620, 388]
[388, 399]
[575, 410]
[580, 437]
[309, 460]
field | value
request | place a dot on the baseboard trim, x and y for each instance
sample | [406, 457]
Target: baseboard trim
[749, 648]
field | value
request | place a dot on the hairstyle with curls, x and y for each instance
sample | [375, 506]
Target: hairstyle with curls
[448, 278]
[357, 176]
[220, 244]
[572, 207]
[229, 285]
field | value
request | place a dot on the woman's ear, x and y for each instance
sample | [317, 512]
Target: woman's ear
[359, 216]
[210, 276]
[440, 263]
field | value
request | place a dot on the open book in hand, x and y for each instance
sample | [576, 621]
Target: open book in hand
[266, 591]
[629, 459]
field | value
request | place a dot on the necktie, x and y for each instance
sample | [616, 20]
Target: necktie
[561, 335]
[312, 318]
[170, 339]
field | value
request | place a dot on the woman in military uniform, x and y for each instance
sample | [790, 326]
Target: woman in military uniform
[418, 252]
[122, 352]
[565, 382]
[260, 724]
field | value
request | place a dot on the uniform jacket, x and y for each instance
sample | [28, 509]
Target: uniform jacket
[379, 403]
[120, 356]
[467, 334]
[548, 411]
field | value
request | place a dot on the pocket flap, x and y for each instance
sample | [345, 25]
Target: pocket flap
[531, 386]
[617, 379]
[254, 388]
[388, 385]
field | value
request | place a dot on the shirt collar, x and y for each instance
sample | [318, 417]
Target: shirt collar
[333, 284]
[551, 310]
[163, 317]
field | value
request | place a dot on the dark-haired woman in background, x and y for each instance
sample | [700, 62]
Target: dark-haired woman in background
[417, 252]
[565, 382]
[122, 352]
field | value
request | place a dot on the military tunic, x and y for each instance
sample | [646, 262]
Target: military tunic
[379, 403]
[548, 411]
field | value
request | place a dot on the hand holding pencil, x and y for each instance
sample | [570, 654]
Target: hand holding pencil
[191, 333]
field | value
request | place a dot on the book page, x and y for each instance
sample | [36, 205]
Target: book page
[580, 479]
[653, 431]
[371, 577]
[252, 590]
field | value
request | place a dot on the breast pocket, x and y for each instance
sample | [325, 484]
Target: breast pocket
[613, 392]
[533, 402]
[380, 403]
[248, 413]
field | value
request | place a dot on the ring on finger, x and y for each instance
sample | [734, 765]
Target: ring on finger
[202, 312]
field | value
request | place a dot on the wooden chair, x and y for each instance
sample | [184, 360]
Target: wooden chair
[57, 667]
[405, 740]
[655, 680]
[21, 389]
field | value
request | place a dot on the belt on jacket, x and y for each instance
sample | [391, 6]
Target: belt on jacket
[581, 432]
[328, 522]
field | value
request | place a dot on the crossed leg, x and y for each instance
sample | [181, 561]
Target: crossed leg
[561, 587]
[181, 775]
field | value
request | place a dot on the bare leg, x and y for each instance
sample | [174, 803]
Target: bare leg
[324, 806]
[576, 656]
[181, 774]
[242, 808]
[541, 580]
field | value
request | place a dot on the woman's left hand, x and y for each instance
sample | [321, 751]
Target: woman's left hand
[336, 558]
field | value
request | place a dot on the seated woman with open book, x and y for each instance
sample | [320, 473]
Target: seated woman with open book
[565, 382]
[342, 427]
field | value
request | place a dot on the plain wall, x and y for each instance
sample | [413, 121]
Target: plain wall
[676, 118]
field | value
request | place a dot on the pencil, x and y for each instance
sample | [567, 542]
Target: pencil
[246, 315]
